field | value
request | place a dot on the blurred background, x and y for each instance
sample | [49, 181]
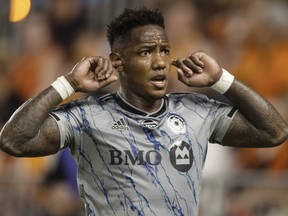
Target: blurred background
[248, 38]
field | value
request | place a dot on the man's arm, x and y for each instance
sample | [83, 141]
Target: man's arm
[30, 131]
[257, 124]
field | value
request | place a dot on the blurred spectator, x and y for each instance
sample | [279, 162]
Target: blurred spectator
[263, 60]
[12, 194]
[92, 43]
[184, 36]
[59, 193]
[67, 19]
[38, 60]
[9, 100]
[263, 64]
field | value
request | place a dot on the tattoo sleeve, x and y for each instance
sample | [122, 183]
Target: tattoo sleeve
[30, 131]
[257, 124]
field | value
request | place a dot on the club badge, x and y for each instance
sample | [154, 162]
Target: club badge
[177, 124]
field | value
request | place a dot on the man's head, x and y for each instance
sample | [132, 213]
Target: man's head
[138, 39]
[118, 33]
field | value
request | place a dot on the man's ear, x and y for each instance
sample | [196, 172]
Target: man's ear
[114, 57]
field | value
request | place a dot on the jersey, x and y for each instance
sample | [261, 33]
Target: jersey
[135, 163]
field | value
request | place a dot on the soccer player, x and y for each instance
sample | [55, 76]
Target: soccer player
[140, 151]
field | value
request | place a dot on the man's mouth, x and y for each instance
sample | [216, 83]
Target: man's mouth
[159, 81]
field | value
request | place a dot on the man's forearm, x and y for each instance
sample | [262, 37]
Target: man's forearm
[259, 112]
[28, 119]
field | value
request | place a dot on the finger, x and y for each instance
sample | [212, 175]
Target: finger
[185, 69]
[107, 81]
[99, 65]
[107, 70]
[189, 62]
[117, 63]
[105, 66]
[99, 70]
[174, 62]
[199, 54]
[189, 81]
[89, 63]
[196, 58]
[94, 61]
[181, 76]
[110, 69]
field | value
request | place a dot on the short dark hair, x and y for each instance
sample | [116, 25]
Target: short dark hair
[119, 29]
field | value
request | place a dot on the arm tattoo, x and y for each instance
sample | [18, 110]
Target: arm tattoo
[28, 126]
[258, 124]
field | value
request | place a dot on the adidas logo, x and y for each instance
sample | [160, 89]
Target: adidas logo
[120, 125]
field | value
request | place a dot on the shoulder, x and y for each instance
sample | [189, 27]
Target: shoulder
[195, 101]
[86, 102]
[188, 97]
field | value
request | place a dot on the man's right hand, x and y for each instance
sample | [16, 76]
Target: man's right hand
[92, 73]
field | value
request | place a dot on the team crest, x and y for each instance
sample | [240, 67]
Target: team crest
[177, 124]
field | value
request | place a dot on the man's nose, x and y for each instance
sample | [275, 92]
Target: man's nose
[159, 61]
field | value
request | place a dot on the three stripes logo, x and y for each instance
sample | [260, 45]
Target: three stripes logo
[120, 125]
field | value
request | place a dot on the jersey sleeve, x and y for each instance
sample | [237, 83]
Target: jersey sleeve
[221, 126]
[69, 127]
[211, 117]
[223, 115]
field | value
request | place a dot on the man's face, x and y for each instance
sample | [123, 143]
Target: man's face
[146, 62]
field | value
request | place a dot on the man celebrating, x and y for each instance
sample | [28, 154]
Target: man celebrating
[140, 151]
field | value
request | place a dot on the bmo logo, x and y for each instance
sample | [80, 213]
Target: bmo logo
[181, 156]
[127, 158]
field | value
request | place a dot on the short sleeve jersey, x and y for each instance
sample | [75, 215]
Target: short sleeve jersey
[135, 163]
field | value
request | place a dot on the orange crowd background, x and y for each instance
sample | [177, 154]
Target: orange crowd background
[248, 38]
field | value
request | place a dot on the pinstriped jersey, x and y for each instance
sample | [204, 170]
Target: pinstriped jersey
[135, 163]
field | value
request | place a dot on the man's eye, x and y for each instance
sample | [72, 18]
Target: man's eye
[166, 51]
[145, 53]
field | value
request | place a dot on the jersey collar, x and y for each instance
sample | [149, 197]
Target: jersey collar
[129, 107]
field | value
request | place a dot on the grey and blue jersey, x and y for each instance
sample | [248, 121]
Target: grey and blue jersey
[135, 163]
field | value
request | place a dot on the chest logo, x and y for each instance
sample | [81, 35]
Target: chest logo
[177, 124]
[149, 123]
[181, 156]
[120, 125]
